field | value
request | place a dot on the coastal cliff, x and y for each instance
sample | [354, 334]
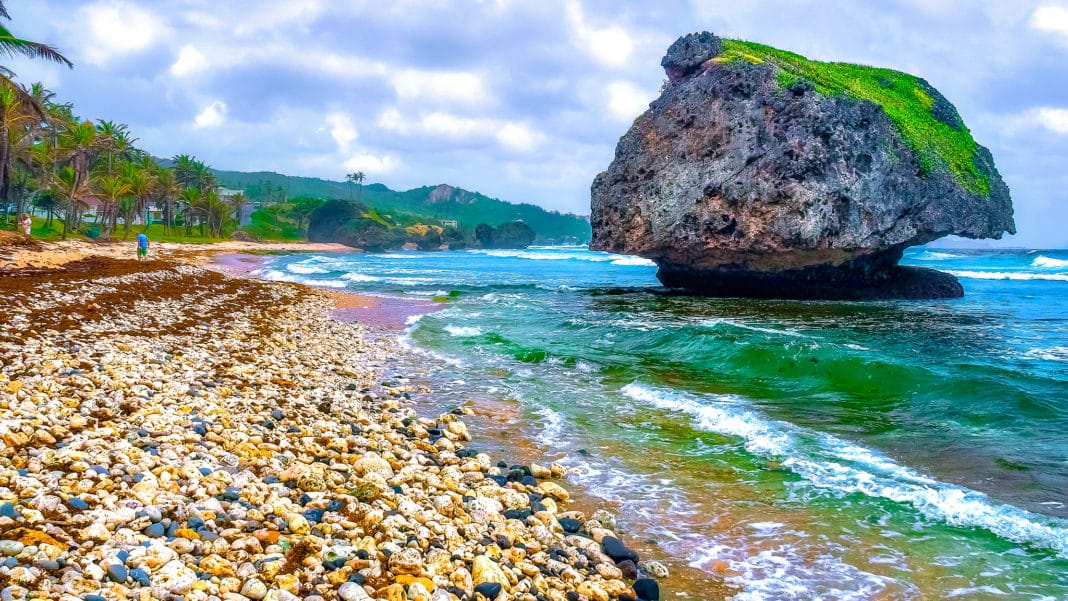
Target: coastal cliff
[760, 173]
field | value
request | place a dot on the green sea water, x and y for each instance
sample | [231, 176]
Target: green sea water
[798, 450]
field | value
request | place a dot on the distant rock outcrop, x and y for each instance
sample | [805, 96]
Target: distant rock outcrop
[760, 173]
[515, 234]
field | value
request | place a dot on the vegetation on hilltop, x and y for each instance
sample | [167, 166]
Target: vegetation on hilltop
[926, 121]
[430, 204]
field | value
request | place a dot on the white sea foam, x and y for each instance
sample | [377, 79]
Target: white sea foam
[359, 277]
[1044, 262]
[552, 428]
[462, 332]
[1053, 353]
[306, 269]
[568, 254]
[586, 368]
[409, 345]
[280, 276]
[930, 255]
[712, 323]
[534, 255]
[831, 463]
[788, 573]
[634, 261]
[1010, 275]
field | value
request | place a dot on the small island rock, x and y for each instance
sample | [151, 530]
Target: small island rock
[760, 173]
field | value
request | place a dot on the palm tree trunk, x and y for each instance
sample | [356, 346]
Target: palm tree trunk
[5, 153]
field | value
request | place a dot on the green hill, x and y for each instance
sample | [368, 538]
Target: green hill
[432, 204]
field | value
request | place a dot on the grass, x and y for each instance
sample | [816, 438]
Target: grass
[267, 228]
[263, 225]
[903, 98]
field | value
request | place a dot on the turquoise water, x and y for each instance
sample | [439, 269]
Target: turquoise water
[881, 450]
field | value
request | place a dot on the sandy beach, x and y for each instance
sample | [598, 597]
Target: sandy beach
[174, 430]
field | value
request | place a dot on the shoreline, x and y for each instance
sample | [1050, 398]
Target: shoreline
[173, 438]
[496, 426]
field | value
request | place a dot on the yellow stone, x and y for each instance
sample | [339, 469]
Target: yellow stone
[554, 490]
[485, 570]
[299, 525]
[187, 533]
[407, 579]
[288, 582]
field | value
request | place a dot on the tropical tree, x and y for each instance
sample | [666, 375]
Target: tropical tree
[12, 46]
[300, 209]
[112, 190]
[185, 170]
[189, 200]
[77, 143]
[12, 94]
[355, 178]
[115, 142]
[140, 182]
[167, 189]
[67, 187]
[238, 202]
[20, 113]
[216, 211]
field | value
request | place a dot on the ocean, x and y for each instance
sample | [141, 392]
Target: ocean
[796, 450]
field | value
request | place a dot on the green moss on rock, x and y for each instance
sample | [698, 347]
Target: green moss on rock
[907, 100]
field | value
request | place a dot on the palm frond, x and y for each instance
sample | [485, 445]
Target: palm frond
[12, 46]
[3, 11]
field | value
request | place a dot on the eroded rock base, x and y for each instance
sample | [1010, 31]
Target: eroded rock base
[910, 283]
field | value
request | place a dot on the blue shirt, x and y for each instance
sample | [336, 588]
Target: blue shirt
[142, 241]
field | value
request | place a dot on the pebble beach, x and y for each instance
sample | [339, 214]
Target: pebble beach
[173, 432]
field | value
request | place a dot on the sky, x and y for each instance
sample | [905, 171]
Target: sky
[522, 100]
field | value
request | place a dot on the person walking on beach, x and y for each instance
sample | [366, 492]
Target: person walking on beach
[142, 247]
[26, 223]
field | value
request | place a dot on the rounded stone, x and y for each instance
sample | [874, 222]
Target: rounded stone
[254, 588]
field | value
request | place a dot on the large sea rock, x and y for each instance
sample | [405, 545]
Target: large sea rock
[745, 178]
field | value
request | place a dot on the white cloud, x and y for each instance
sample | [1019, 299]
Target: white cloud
[510, 135]
[268, 16]
[1053, 119]
[116, 29]
[342, 129]
[610, 46]
[518, 137]
[213, 115]
[459, 87]
[190, 61]
[626, 101]
[1053, 19]
[372, 164]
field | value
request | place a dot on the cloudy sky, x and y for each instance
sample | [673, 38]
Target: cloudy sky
[520, 99]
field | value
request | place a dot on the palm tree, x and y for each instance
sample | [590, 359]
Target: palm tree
[20, 112]
[112, 189]
[185, 169]
[237, 203]
[12, 46]
[167, 191]
[77, 142]
[67, 187]
[355, 178]
[115, 141]
[140, 182]
[190, 201]
[216, 210]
